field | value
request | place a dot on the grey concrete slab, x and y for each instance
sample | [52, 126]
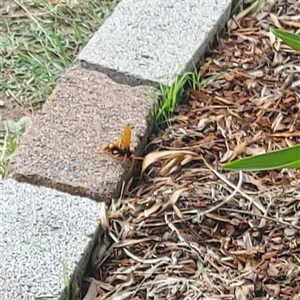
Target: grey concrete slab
[45, 235]
[86, 111]
[152, 41]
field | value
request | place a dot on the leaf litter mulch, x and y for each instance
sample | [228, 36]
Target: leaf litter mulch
[190, 230]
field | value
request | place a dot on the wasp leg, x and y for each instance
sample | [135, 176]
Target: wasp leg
[124, 158]
[137, 157]
[131, 167]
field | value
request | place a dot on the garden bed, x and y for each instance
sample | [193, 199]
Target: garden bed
[189, 230]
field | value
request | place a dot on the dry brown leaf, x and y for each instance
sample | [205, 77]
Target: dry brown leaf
[92, 291]
[254, 151]
[173, 199]
[166, 154]
[244, 292]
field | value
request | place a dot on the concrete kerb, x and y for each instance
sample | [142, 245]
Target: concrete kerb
[152, 41]
[46, 235]
[138, 44]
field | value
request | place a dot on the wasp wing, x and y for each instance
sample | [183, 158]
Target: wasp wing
[125, 139]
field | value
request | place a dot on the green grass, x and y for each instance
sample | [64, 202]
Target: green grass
[68, 293]
[39, 41]
[170, 97]
[10, 133]
[237, 6]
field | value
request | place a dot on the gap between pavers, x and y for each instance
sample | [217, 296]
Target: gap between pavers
[86, 111]
[45, 238]
[152, 41]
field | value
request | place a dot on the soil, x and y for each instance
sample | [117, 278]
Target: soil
[10, 109]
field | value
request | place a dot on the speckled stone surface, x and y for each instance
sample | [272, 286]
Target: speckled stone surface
[86, 111]
[152, 41]
[45, 237]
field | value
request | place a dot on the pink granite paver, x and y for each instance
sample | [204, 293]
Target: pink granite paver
[85, 111]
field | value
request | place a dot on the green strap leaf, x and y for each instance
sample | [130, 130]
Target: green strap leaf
[283, 158]
[291, 39]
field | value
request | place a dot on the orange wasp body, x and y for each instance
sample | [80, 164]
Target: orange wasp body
[121, 147]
